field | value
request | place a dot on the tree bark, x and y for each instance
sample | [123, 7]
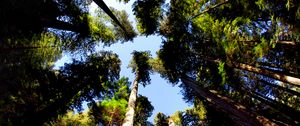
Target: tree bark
[129, 117]
[281, 77]
[282, 69]
[237, 112]
[285, 111]
[286, 89]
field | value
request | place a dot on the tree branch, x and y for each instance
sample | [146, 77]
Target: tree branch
[105, 8]
[210, 8]
[61, 25]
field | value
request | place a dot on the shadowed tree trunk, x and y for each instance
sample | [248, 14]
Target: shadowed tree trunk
[237, 112]
[280, 87]
[281, 77]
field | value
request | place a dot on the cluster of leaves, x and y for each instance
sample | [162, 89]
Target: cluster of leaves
[141, 67]
[195, 116]
[39, 93]
[69, 21]
[148, 14]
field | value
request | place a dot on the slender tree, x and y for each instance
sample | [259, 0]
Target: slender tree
[142, 71]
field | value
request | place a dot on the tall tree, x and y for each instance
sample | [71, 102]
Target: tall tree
[33, 35]
[111, 111]
[142, 70]
[215, 47]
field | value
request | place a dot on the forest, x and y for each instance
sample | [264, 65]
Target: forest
[237, 62]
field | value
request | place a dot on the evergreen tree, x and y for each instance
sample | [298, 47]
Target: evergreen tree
[161, 119]
[142, 70]
[227, 55]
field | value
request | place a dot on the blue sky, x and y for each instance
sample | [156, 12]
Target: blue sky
[163, 96]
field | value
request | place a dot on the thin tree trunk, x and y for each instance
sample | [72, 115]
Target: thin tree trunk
[286, 89]
[289, 43]
[129, 117]
[61, 25]
[210, 8]
[237, 112]
[281, 77]
[292, 71]
[284, 110]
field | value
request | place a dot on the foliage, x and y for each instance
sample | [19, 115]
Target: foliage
[237, 50]
[148, 13]
[41, 94]
[143, 111]
[141, 67]
[111, 111]
[73, 119]
[213, 43]
[33, 36]
[160, 119]
[69, 21]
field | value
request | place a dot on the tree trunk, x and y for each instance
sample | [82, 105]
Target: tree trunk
[285, 112]
[210, 8]
[237, 112]
[61, 25]
[281, 77]
[129, 117]
[104, 7]
[286, 89]
[291, 71]
[289, 43]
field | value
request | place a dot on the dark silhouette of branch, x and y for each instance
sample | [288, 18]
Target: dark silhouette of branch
[105, 8]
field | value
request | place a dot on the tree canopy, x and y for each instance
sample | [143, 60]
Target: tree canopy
[237, 61]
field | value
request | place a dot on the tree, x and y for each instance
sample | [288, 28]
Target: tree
[195, 116]
[40, 94]
[161, 119]
[218, 53]
[143, 111]
[69, 20]
[73, 119]
[142, 70]
[33, 36]
[148, 13]
[111, 111]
